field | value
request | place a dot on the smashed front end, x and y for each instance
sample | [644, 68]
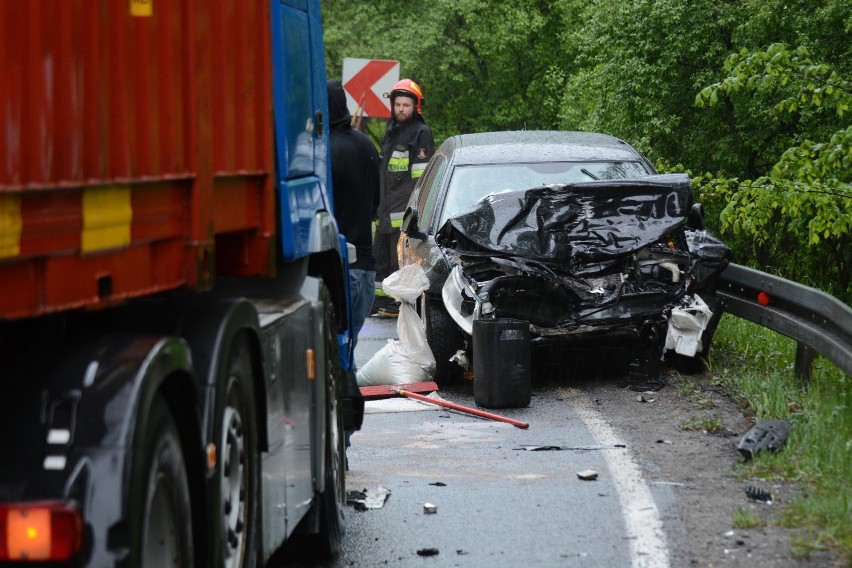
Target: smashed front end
[620, 261]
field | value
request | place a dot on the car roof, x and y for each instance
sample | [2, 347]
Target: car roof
[537, 146]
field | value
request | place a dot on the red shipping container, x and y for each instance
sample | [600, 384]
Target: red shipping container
[136, 149]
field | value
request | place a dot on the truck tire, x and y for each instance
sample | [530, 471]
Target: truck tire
[332, 501]
[237, 467]
[444, 338]
[160, 514]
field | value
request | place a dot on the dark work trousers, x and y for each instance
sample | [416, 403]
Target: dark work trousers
[384, 249]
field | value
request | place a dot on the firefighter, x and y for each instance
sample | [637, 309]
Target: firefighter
[406, 148]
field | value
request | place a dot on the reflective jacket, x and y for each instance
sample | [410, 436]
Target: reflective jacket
[406, 148]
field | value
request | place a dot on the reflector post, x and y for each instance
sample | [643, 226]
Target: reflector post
[40, 531]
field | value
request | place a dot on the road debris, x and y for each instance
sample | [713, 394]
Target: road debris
[587, 475]
[758, 494]
[430, 508]
[368, 498]
[428, 552]
[646, 397]
[770, 436]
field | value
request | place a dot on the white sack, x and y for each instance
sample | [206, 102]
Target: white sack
[408, 359]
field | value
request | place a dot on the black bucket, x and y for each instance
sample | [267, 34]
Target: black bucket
[501, 363]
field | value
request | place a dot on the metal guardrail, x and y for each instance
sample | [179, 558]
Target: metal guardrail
[817, 321]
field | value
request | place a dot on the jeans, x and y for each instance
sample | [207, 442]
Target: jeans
[362, 287]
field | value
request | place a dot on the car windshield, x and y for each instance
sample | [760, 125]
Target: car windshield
[469, 184]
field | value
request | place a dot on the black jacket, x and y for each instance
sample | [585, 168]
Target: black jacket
[406, 148]
[354, 178]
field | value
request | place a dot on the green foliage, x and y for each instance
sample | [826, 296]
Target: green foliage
[800, 212]
[482, 65]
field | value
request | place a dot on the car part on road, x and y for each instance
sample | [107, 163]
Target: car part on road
[368, 498]
[770, 435]
[759, 494]
[461, 408]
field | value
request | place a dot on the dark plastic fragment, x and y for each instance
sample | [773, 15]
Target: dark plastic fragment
[770, 435]
[758, 494]
[427, 552]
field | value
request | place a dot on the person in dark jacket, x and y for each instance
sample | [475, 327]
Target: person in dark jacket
[355, 180]
[406, 149]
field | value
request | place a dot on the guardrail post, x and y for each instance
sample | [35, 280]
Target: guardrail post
[804, 360]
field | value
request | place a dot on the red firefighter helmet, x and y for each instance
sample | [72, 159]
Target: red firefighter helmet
[408, 88]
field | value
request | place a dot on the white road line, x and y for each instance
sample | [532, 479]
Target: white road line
[648, 547]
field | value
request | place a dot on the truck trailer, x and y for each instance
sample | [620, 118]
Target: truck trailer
[174, 334]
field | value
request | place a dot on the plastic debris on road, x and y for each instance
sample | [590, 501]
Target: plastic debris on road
[368, 498]
[758, 494]
[587, 475]
[770, 436]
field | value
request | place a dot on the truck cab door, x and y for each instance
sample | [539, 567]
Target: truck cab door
[300, 110]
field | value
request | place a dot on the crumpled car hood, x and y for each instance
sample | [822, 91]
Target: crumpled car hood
[573, 224]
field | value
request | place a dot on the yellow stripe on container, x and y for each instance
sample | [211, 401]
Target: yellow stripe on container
[107, 214]
[10, 225]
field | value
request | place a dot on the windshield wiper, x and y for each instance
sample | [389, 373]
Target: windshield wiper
[590, 174]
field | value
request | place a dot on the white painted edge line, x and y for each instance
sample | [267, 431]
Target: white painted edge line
[648, 548]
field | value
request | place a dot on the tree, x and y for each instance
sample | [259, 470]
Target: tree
[800, 211]
[482, 65]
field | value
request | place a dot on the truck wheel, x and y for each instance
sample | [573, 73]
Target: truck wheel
[160, 515]
[237, 464]
[444, 338]
[332, 501]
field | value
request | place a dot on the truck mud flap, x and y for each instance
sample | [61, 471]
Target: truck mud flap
[352, 403]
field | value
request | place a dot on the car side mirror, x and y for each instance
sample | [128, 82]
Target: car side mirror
[695, 219]
[409, 224]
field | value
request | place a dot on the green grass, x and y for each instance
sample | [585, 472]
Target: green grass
[745, 519]
[756, 366]
[711, 424]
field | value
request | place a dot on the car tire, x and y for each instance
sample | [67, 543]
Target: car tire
[444, 338]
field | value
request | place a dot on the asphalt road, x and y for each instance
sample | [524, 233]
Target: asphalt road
[502, 499]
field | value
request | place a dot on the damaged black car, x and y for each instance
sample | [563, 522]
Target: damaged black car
[573, 234]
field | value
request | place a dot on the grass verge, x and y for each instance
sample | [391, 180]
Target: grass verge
[756, 366]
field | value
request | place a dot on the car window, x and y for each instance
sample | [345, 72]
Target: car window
[469, 184]
[429, 192]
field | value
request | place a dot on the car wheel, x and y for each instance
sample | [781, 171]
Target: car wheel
[444, 338]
